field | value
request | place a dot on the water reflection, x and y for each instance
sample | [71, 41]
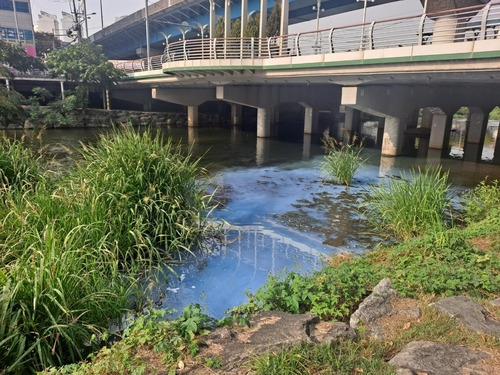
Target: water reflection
[281, 211]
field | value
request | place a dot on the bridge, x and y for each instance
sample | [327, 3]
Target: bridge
[431, 64]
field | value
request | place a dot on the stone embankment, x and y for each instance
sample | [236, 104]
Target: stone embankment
[384, 310]
[95, 118]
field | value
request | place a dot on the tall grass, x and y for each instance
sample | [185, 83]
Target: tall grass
[342, 159]
[410, 206]
[72, 250]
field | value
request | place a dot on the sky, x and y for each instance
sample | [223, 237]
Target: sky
[111, 9]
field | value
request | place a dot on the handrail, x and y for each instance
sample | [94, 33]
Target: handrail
[457, 25]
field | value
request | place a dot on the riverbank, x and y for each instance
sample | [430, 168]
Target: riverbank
[459, 261]
[101, 118]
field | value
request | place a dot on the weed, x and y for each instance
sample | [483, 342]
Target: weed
[413, 205]
[342, 159]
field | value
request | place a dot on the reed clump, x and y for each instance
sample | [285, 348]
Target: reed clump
[342, 160]
[73, 249]
[410, 206]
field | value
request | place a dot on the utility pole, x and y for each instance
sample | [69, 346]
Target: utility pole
[77, 26]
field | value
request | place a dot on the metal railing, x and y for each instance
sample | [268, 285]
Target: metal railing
[459, 25]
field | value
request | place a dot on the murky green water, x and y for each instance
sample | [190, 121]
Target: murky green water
[283, 215]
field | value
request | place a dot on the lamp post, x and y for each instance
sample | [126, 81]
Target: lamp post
[363, 21]
[102, 17]
[147, 34]
[318, 10]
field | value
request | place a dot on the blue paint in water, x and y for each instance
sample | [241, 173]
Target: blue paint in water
[257, 245]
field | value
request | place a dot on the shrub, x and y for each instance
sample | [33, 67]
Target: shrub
[410, 206]
[333, 293]
[342, 160]
[19, 167]
[483, 201]
[64, 250]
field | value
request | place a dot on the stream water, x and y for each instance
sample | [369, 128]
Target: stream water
[281, 213]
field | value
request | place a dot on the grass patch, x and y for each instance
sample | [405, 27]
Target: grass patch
[74, 249]
[411, 206]
[342, 159]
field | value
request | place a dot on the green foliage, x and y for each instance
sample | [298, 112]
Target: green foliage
[413, 205]
[444, 264]
[19, 167]
[495, 114]
[86, 64]
[10, 106]
[46, 43]
[274, 20]
[342, 358]
[252, 29]
[173, 340]
[16, 57]
[342, 159]
[483, 202]
[61, 111]
[219, 27]
[332, 293]
[65, 243]
[147, 191]
[236, 28]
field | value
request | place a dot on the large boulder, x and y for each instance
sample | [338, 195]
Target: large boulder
[380, 306]
[470, 313]
[432, 358]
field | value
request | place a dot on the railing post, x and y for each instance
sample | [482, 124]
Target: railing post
[330, 38]
[269, 47]
[370, 35]
[297, 45]
[421, 30]
[184, 43]
[214, 48]
[484, 21]
[252, 48]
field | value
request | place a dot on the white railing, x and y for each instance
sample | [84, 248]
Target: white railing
[460, 25]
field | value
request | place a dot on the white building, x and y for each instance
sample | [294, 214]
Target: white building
[16, 24]
[47, 23]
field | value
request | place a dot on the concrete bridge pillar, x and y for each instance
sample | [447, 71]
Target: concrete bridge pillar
[475, 132]
[192, 115]
[236, 113]
[351, 123]
[392, 144]
[310, 119]
[264, 116]
[496, 152]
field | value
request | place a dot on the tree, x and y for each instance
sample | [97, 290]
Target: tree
[219, 27]
[252, 29]
[274, 20]
[86, 64]
[46, 43]
[16, 58]
[236, 28]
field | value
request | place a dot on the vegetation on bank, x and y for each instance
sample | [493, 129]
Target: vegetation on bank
[74, 248]
[450, 259]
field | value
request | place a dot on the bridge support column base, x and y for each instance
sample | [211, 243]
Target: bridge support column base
[475, 134]
[264, 122]
[236, 113]
[351, 123]
[310, 119]
[393, 139]
[192, 115]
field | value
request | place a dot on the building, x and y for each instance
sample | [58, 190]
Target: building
[47, 23]
[16, 24]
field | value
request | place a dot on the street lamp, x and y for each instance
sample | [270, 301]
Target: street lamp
[318, 10]
[363, 21]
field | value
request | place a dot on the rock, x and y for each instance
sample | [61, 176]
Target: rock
[375, 306]
[328, 332]
[425, 357]
[471, 314]
[268, 331]
[495, 302]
